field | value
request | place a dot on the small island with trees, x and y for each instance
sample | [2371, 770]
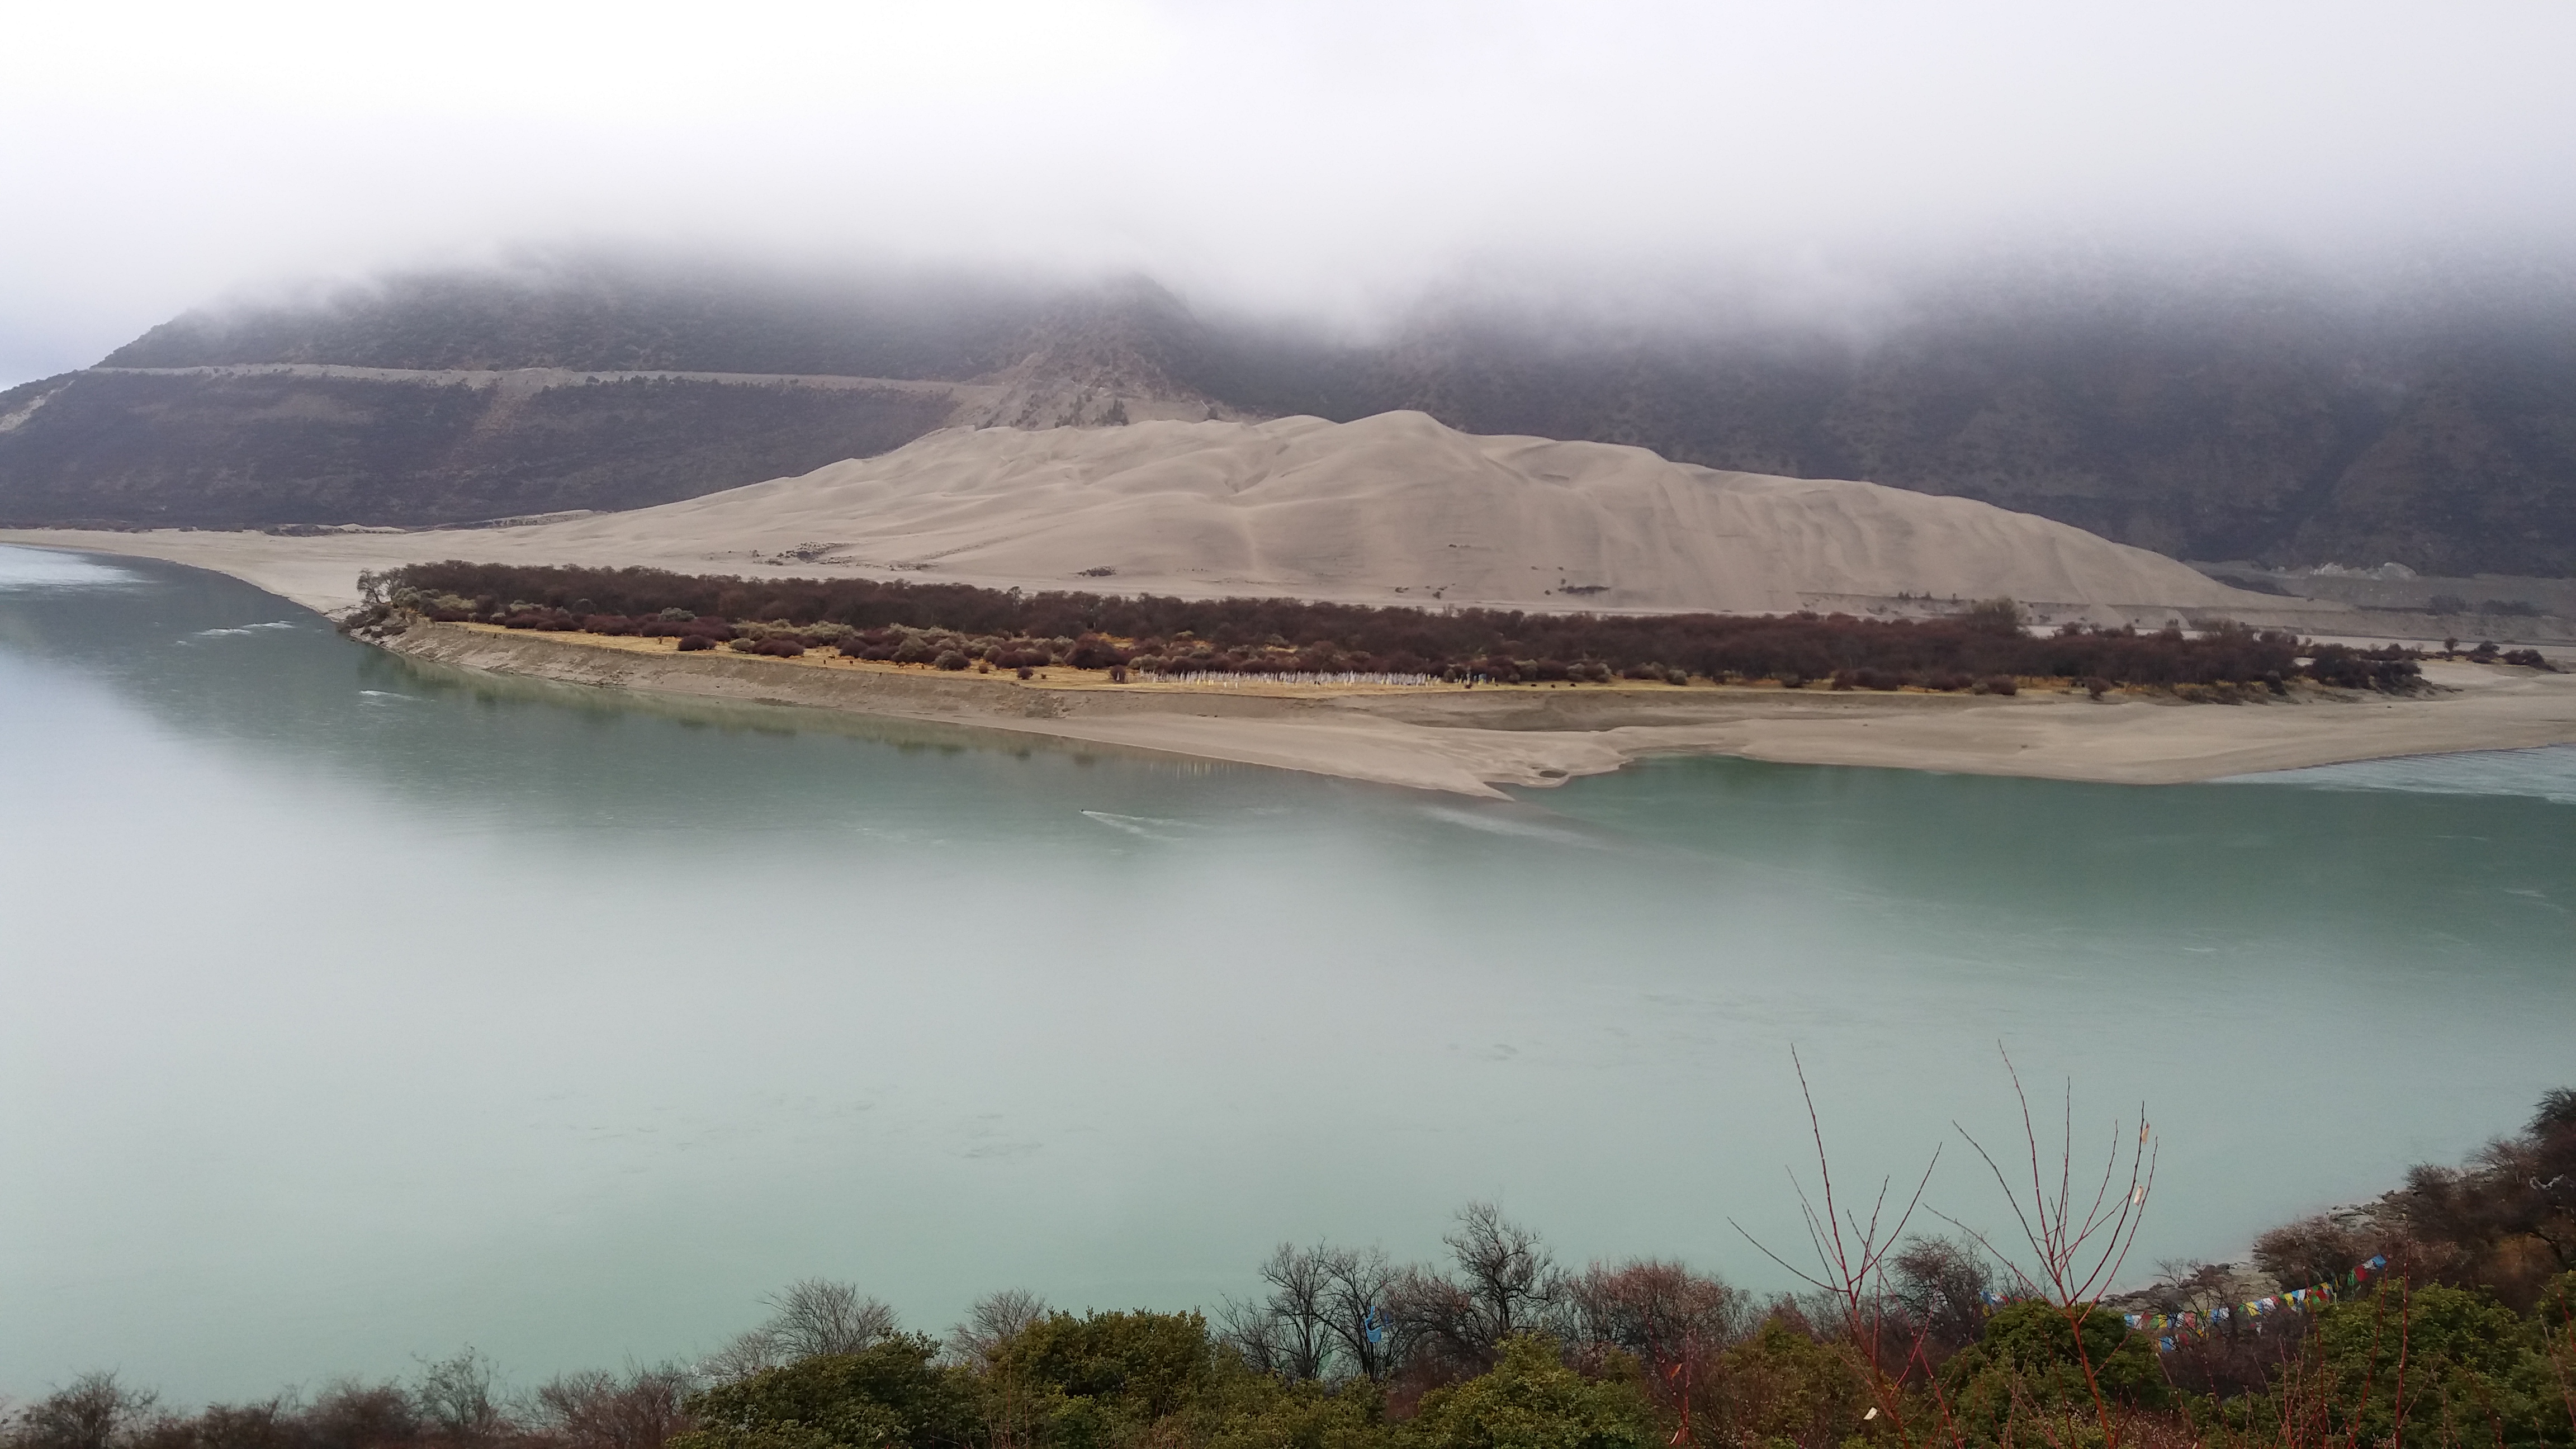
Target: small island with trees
[1981, 648]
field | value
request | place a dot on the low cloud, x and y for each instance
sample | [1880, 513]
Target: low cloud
[1324, 161]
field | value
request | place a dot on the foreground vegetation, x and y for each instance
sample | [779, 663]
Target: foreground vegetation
[2438, 1316]
[1984, 647]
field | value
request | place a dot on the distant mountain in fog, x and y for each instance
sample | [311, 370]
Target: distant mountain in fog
[2203, 417]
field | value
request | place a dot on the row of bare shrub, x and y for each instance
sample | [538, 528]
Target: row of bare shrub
[452, 1404]
[1986, 642]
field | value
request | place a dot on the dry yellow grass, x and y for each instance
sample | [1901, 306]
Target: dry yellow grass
[1475, 741]
[1057, 677]
[1049, 677]
[1063, 677]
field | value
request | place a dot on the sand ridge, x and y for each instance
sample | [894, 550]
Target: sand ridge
[1400, 504]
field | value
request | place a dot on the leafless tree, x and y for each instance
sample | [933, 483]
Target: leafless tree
[816, 1316]
[808, 1318]
[1255, 1334]
[1656, 1310]
[270, 1423]
[1357, 1285]
[1299, 1302]
[1291, 1330]
[600, 1410]
[1853, 1254]
[1011, 1403]
[1506, 1267]
[455, 1396]
[2077, 1244]
[1435, 1325]
[994, 1318]
[1670, 1320]
[93, 1411]
[754, 1352]
[1505, 1285]
[1943, 1283]
[353, 1414]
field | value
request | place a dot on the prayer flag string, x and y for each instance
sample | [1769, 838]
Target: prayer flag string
[2189, 1325]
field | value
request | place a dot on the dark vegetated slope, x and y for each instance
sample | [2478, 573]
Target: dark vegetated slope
[253, 451]
[2200, 420]
[2475, 471]
[120, 449]
[612, 318]
[2223, 414]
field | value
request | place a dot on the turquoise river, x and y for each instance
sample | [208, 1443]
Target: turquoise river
[352, 1011]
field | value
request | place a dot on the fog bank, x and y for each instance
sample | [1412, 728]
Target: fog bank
[1330, 163]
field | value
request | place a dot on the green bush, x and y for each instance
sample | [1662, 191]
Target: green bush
[1529, 1400]
[2556, 1309]
[1781, 1386]
[890, 1394]
[2471, 1366]
[1102, 1379]
[2028, 1358]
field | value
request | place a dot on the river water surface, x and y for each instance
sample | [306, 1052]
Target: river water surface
[354, 1010]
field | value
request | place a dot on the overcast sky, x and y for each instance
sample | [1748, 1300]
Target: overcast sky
[1314, 157]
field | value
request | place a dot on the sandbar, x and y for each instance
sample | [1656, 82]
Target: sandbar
[1481, 741]
[1470, 742]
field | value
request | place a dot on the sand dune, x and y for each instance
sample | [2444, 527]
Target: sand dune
[1390, 509]
[1393, 506]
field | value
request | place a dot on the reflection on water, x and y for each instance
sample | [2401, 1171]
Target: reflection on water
[2545, 774]
[29, 569]
[361, 1008]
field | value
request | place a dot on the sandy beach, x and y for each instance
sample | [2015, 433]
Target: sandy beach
[1474, 742]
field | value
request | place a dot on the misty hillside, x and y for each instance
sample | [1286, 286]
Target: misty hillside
[260, 450]
[2203, 424]
[619, 319]
[2271, 420]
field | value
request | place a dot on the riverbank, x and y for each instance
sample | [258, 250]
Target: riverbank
[1475, 742]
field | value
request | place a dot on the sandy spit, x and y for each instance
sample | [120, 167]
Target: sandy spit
[1472, 742]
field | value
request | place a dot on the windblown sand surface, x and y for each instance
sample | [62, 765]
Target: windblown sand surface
[1472, 741]
[1391, 509]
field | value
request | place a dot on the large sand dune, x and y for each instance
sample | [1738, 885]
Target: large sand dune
[1390, 509]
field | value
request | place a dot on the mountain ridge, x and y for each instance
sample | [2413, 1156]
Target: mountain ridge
[2226, 419]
